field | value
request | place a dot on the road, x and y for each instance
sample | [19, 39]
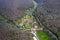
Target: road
[33, 31]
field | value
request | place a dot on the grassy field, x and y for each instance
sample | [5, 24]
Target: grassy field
[43, 36]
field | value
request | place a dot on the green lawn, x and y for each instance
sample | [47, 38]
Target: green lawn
[43, 36]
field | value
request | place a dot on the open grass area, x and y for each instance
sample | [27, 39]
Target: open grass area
[42, 35]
